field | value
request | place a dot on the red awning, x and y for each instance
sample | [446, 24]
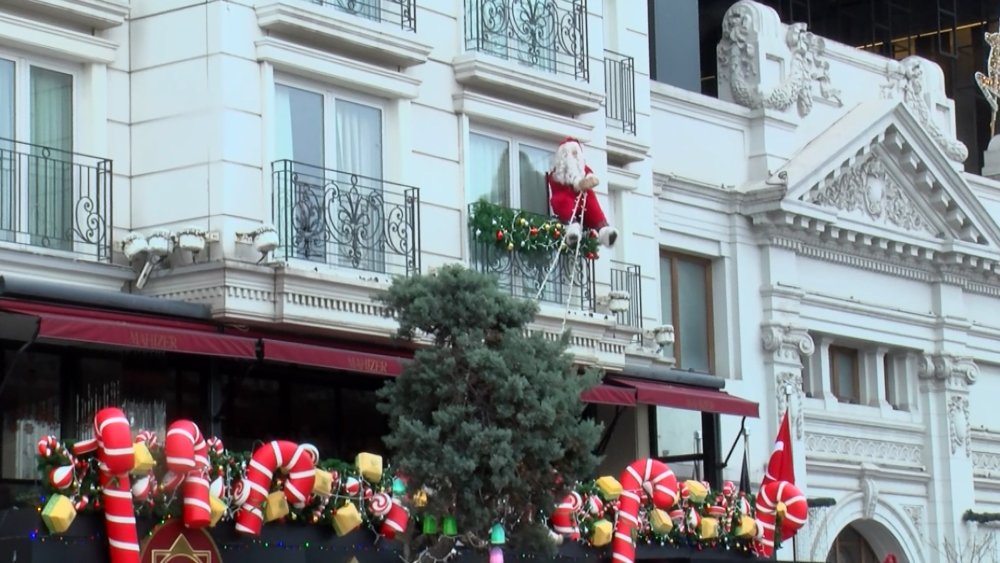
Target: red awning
[332, 358]
[686, 397]
[610, 395]
[126, 330]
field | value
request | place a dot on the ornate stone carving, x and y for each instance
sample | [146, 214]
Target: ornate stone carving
[958, 424]
[791, 381]
[869, 493]
[738, 64]
[957, 372]
[907, 77]
[868, 187]
[864, 449]
[916, 514]
[786, 341]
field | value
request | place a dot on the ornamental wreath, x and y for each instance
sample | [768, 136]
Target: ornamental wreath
[515, 230]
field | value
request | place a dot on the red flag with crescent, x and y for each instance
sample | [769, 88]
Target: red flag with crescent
[781, 467]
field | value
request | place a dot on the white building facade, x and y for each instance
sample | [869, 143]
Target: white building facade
[810, 236]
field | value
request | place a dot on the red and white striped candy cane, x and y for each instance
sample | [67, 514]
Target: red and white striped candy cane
[564, 516]
[147, 437]
[187, 455]
[395, 517]
[796, 511]
[116, 457]
[300, 463]
[645, 477]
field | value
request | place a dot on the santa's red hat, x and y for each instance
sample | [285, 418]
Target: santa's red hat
[570, 140]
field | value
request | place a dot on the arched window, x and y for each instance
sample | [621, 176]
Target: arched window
[851, 547]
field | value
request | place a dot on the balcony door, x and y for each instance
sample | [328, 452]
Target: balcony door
[36, 160]
[335, 196]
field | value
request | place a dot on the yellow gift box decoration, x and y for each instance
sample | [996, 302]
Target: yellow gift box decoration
[218, 509]
[420, 499]
[747, 527]
[346, 519]
[369, 466]
[277, 506]
[660, 521]
[144, 462]
[610, 487]
[58, 514]
[696, 491]
[323, 485]
[602, 533]
[709, 528]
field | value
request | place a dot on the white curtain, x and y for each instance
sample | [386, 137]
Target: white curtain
[299, 138]
[490, 170]
[8, 199]
[534, 192]
[359, 160]
[50, 180]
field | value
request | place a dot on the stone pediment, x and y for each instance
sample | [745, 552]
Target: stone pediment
[878, 171]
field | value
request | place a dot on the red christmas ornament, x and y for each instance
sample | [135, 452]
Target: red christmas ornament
[555, 233]
[591, 256]
[533, 231]
[499, 235]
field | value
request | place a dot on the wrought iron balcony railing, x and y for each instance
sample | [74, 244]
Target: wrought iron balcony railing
[397, 12]
[55, 199]
[628, 278]
[549, 35]
[619, 91]
[570, 282]
[344, 219]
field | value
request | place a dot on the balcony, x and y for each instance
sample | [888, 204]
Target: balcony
[526, 50]
[396, 12]
[627, 279]
[343, 219]
[619, 92]
[539, 269]
[55, 199]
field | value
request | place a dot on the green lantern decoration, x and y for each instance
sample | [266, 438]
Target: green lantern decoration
[430, 525]
[497, 535]
[448, 526]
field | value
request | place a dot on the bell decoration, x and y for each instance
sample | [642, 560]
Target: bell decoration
[448, 526]
[398, 487]
[497, 535]
[430, 525]
[496, 554]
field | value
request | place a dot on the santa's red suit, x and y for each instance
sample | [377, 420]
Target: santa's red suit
[571, 194]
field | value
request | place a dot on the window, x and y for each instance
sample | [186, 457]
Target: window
[844, 374]
[492, 170]
[520, 31]
[851, 547]
[334, 206]
[36, 171]
[686, 303]
[674, 43]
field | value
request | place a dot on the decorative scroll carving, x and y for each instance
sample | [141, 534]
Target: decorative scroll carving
[958, 424]
[790, 381]
[957, 372]
[870, 494]
[739, 67]
[868, 187]
[907, 77]
[865, 449]
[916, 514]
[786, 341]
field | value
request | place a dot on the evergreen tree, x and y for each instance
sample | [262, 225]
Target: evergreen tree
[489, 417]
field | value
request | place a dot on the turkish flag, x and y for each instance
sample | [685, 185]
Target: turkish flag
[780, 467]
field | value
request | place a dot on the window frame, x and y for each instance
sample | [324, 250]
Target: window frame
[514, 143]
[330, 94]
[835, 374]
[673, 256]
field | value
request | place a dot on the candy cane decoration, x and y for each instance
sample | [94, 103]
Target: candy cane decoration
[187, 458]
[116, 457]
[645, 477]
[769, 500]
[300, 463]
[564, 516]
[395, 517]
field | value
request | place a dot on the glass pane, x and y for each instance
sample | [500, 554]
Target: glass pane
[844, 363]
[666, 299]
[693, 331]
[678, 433]
[50, 173]
[8, 199]
[299, 137]
[30, 406]
[489, 165]
[359, 204]
[532, 166]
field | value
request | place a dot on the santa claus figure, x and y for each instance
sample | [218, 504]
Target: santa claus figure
[571, 196]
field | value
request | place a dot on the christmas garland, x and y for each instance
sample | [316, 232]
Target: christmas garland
[514, 230]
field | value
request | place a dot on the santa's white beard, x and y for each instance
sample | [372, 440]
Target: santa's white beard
[568, 169]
